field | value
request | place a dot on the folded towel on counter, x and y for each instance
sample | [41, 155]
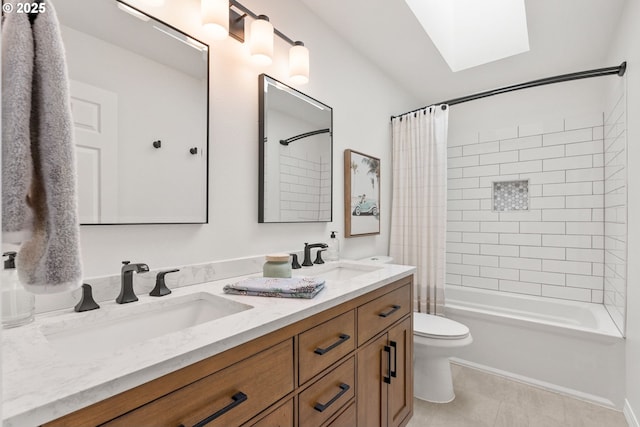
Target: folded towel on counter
[48, 260]
[295, 287]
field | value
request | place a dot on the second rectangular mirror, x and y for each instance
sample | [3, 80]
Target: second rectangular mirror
[295, 155]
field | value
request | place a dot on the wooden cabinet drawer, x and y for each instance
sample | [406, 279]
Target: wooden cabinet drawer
[325, 344]
[326, 396]
[346, 419]
[382, 312]
[281, 417]
[263, 379]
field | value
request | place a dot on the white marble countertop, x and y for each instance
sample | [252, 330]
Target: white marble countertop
[41, 384]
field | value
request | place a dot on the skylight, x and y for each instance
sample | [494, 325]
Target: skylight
[471, 32]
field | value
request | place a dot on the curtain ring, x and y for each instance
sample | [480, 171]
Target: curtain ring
[444, 107]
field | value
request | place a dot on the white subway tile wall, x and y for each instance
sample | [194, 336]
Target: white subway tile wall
[305, 188]
[556, 248]
[615, 208]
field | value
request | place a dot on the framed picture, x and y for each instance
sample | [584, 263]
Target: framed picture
[361, 194]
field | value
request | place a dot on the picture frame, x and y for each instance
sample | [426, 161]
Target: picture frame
[361, 194]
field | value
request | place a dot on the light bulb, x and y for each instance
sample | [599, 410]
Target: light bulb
[261, 42]
[299, 63]
[215, 18]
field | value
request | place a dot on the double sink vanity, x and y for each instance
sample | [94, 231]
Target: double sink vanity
[201, 357]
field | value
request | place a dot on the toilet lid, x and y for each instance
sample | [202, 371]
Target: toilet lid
[431, 326]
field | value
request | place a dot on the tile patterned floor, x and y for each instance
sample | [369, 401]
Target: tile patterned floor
[486, 400]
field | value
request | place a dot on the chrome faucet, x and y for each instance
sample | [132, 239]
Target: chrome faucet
[307, 252]
[126, 289]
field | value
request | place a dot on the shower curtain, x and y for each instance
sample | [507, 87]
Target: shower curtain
[419, 207]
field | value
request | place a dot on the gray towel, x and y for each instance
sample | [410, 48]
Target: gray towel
[17, 167]
[49, 261]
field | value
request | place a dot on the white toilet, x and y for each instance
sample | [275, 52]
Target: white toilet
[435, 339]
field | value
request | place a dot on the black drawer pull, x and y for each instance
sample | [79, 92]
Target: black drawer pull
[238, 398]
[387, 379]
[343, 389]
[394, 373]
[390, 312]
[321, 351]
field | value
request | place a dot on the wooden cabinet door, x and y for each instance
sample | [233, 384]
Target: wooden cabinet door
[400, 393]
[372, 390]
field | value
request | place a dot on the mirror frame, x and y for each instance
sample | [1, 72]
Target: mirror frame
[207, 124]
[262, 81]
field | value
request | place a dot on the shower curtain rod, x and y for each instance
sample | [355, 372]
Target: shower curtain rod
[619, 70]
[304, 135]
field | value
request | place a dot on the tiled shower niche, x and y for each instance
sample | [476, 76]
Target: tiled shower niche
[511, 196]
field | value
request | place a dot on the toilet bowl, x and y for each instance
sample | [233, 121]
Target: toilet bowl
[435, 339]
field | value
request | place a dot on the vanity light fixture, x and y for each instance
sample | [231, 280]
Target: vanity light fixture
[261, 41]
[215, 18]
[217, 13]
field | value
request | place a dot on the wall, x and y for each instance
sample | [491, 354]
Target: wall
[625, 48]
[615, 203]
[362, 97]
[555, 248]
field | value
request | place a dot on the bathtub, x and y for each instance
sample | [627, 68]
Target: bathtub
[565, 346]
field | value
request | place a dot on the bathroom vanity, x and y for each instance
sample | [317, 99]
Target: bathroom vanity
[343, 358]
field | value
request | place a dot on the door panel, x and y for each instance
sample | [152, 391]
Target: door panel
[372, 391]
[401, 387]
[95, 122]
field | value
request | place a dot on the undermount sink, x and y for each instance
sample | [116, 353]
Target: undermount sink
[136, 322]
[341, 272]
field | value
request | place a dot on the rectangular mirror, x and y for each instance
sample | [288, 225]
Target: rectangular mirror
[296, 168]
[139, 95]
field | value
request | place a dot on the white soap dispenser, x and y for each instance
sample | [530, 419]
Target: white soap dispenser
[18, 305]
[333, 249]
